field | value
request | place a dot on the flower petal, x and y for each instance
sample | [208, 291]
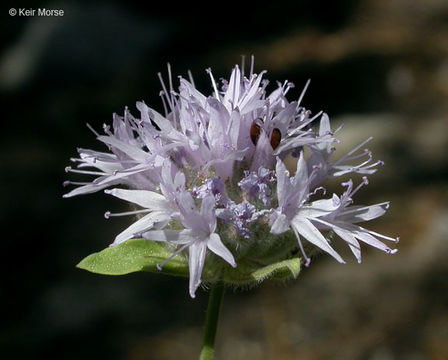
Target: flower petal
[280, 223]
[283, 183]
[354, 245]
[300, 180]
[147, 199]
[143, 224]
[196, 260]
[355, 214]
[215, 244]
[208, 212]
[175, 236]
[132, 151]
[305, 228]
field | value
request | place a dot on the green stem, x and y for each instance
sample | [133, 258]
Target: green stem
[211, 320]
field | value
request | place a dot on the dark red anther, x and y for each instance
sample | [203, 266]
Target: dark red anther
[275, 138]
[255, 130]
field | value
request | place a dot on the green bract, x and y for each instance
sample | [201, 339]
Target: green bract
[143, 255]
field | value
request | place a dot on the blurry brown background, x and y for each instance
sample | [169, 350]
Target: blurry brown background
[380, 67]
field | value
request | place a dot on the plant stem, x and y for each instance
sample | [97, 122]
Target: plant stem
[211, 320]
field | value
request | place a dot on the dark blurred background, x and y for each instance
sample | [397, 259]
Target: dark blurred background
[380, 67]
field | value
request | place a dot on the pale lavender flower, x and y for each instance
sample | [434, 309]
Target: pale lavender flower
[215, 187]
[160, 208]
[343, 218]
[127, 164]
[307, 218]
[198, 236]
[321, 153]
[240, 216]
[223, 154]
[258, 184]
[293, 211]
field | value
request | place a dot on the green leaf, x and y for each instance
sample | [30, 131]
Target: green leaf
[281, 270]
[132, 256]
[247, 273]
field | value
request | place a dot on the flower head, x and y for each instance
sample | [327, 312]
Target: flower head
[208, 176]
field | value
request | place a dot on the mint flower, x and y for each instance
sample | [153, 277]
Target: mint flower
[198, 236]
[209, 191]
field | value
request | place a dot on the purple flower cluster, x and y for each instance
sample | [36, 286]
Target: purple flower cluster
[215, 163]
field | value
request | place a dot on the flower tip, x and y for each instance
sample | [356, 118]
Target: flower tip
[159, 267]
[336, 200]
[107, 215]
[308, 262]
[67, 169]
[365, 180]
[391, 251]
[397, 240]
[108, 191]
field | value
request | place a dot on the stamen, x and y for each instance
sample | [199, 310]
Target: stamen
[165, 108]
[172, 94]
[68, 182]
[395, 240]
[353, 151]
[304, 124]
[108, 214]
[106, 129]
[391, 251]
[366, 152]
[324, 191]
[303, 92]
[69, 169]
[339, 128]
[352, 193]
[165, 91]
[177, 252]
[362, 165]
[92, 130]
[379, 162]
[307, 259]
[215, 88]
[252, 60]
[289, 86]
[234, 99]
[264, 84]
[190, 77]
